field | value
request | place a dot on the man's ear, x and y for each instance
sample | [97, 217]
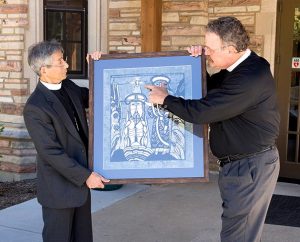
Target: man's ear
[232, 49]
[43, 71]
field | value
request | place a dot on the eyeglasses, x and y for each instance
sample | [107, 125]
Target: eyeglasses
[211, 51]
[61, 61]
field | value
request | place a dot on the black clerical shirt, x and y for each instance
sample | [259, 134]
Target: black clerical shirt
[240, 106]
[64, 98]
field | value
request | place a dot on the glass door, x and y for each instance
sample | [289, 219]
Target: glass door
[287, 74]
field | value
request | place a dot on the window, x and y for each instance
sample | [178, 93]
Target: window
[66, 21]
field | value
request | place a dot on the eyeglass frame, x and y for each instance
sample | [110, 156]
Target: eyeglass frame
[212, 51]
[65, 62]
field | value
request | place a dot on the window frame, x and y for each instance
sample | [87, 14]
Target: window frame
[84, 33]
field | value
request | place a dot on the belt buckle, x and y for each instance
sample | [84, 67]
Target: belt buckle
[219, 164]
[223, 162]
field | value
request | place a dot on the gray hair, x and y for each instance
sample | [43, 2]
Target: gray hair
[231, 31]
[39, 54]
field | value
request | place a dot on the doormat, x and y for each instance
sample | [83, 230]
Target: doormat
[288, 180]
[284, 210]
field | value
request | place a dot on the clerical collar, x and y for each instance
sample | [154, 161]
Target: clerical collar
[52, 86]
[240, 60]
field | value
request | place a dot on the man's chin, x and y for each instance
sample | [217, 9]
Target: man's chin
[211, 69]
[210, 64]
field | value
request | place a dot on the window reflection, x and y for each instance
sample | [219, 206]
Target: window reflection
[297, 23]
[294, 99]
[291, 152]
[293, 134]
[65, 21]
[73, 26]
[75, 59]
[55, 25]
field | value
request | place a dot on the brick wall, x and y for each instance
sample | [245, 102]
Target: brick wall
[17, 153]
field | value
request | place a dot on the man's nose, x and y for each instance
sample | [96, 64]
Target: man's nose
[66, 65]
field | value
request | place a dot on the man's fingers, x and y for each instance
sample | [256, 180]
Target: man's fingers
[95, 56]
[104, 179]
[195, 50]
[100, 185]
[150, 87]
[95, 180]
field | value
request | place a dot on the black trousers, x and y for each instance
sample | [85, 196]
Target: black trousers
[68, 224]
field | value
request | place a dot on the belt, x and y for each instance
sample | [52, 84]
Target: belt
[231, 158]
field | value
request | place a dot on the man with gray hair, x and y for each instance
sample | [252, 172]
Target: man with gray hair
[56, 121]
[241, 108]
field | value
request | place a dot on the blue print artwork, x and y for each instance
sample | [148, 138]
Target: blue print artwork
[141, 131]
[136, 134]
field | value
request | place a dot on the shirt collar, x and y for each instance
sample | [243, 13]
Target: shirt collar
[240, 60]
[52, 86]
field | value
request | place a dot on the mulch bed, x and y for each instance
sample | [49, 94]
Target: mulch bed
[12, 193]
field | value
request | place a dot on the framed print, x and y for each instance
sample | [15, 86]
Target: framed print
[134, 141]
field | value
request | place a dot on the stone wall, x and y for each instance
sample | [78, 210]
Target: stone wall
[124, 26]
[245, 11]
[183, 22]
[16, 161]
[180, 19]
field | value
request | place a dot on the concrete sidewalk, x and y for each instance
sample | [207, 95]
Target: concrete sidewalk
[147, 213]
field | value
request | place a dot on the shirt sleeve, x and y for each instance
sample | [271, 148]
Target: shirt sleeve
[234, 96]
